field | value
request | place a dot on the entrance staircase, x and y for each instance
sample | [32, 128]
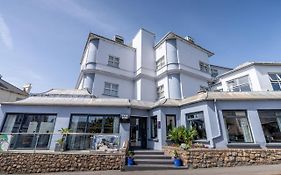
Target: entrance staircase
[151, 160]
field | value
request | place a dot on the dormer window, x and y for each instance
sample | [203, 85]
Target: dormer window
[113, 61]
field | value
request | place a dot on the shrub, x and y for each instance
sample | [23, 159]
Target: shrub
[181, 135]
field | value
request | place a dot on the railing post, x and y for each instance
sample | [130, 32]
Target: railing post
[36, 142]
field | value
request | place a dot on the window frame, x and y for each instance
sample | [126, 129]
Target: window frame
[249, 124]
[23, 115]
[160, 63]
[113, 61]
[204, 67]
[214, 72]
[272, 81]
[276, 120]
[35, 135]
[191, 119]
[175, 122]
[152, 127]
[94, 115]
[237, 84]
[160, 92]
[111, 90]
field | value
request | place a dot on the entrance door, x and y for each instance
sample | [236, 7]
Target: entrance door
[138, 133]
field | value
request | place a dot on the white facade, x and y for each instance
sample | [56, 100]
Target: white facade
[257, 73]
[136, 73]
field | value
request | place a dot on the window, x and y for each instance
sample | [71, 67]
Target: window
[160, 63]
[110, 89]
[204, 67]
[275, 79]
[170, 123]
[113, 61]
[214, 72]
[271, 125]
[160, 92]
[237, 127]
[36, 129]
[196, 120]
[241, 84]
[81, 124]
[153, 121]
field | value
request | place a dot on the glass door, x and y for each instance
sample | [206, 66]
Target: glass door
[138, 133]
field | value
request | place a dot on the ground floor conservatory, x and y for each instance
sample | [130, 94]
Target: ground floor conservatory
[222, 120]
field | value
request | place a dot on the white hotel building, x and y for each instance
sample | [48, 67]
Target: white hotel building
[139, 91]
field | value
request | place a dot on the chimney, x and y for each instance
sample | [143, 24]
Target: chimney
[27, 88]
[189, 38]
[119, 39]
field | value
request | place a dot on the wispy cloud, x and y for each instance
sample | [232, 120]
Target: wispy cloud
[76, 10]
[5, 34]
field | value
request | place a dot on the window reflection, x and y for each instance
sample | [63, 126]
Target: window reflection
[237, 126]
[31, 125]
[271, 125]
[90, 124]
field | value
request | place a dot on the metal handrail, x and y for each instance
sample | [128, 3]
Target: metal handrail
[38, 134]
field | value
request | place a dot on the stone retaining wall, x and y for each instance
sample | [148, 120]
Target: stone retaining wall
[56, 162]
[206, 158]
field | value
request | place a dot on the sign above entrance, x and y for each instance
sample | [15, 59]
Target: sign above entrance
[124, 118]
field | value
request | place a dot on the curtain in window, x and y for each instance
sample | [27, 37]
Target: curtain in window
[246, 130]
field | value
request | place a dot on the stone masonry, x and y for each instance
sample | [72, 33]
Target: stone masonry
[207, 158]
[58, 162]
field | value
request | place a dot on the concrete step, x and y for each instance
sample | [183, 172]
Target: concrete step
[154, 161]
[151, 156]
[145, 167]
[148, 152]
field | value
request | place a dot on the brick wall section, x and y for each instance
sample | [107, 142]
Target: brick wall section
[55, 162]
[207, 158]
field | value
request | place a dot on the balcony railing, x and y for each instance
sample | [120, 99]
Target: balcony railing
[52, 141]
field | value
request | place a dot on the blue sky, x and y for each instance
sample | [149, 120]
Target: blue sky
[41, 41]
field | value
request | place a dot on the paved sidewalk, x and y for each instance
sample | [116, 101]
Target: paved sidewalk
[242, 170]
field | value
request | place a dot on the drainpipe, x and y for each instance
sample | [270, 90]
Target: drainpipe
[218, 124]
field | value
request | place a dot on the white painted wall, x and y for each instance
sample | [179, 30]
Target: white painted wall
[126, 55]
[263, 78]
[137, 70]
[190, 56]
[164, 81]
[258, 75]
[191, 85]
[250, 71]
[160, 51]
[126, 87]
[145, 65]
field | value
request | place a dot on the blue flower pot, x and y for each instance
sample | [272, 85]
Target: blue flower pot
[177, 162]
[130, 161]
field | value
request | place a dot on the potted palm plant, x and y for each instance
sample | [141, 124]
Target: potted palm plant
[61, 143]
[183, 137]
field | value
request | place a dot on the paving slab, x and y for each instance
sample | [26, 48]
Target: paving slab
[241, 170]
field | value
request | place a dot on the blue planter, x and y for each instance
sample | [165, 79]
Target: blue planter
[177, 162]
[130, 161]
